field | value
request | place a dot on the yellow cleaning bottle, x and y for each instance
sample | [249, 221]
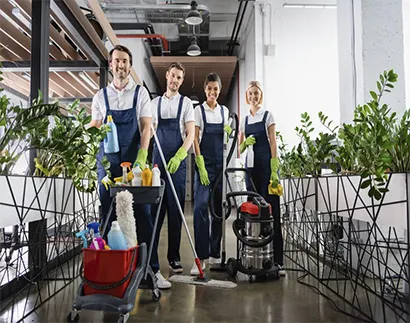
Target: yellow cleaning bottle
[146, 176]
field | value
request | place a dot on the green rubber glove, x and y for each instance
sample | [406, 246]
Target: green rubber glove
[203, 174]
[247, 142]
[274, 167]
[175, 161]
[228, 129]
[141, 158]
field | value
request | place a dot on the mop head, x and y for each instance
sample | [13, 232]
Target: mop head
[125, 217]
[195, 281]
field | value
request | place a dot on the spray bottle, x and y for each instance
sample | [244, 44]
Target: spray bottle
[125, 167]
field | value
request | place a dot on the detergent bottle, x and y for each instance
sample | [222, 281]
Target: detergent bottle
[136, 181]
[146, 176]
[156, 176]
[111, 144]
[116, 238]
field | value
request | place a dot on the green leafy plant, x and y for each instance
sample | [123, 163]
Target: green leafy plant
[66, 146]
[369, 141]
[71, 149]
[317, 152]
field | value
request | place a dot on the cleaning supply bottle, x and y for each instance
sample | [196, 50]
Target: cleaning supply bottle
[136, 181]
[146, 176]
[116, 238]
[156, 176]
[111, 144]
[250, 156]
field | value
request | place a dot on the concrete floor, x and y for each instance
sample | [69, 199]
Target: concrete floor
[283, 300]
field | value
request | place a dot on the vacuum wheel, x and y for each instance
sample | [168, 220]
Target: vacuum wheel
[232, 267]
[156, 295]
[73, 316]
[123, 318]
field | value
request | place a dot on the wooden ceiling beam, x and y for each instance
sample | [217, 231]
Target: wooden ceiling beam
[7, 42]
[106, 26]
[7, 55]
[17, 82]
[7, 8]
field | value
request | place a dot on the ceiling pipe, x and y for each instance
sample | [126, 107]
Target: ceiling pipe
[182, 7]
[158, 36]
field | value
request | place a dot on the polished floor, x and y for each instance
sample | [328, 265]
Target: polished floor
[283, 300]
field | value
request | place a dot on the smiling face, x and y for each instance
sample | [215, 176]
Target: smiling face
[174, 77]
[212, 90]
[254, 96]
[120, 65]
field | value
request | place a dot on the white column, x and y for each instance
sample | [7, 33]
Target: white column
[370, 41]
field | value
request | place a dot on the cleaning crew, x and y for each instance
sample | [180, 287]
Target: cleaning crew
[211, 120]
[173, 116]
[128, 106]
[258, 130]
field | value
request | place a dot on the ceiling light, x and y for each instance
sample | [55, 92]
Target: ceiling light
[90, 82]
[193, 17]
[193, 49]
[309, 6]
[18, 14]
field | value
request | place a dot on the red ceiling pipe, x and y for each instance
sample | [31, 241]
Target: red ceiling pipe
[162, 37]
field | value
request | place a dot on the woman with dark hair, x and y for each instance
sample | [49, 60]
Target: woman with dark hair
[211, 120]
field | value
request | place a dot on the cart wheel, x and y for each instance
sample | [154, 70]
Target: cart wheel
[123, 318]
[73, 316]
[232, 267]
[277, 275]
[156, 295]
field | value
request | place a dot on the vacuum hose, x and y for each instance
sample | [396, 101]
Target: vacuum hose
[220, 174]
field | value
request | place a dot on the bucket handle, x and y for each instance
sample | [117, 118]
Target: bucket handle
[106, 287]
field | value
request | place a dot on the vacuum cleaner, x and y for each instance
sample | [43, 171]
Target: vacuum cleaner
[253, 228]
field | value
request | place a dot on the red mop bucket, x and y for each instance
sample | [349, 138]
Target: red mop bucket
[108, 271]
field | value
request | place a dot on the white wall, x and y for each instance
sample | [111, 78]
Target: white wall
[302, 75]
[406, 30]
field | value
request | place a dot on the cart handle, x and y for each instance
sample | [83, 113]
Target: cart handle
[106, 287]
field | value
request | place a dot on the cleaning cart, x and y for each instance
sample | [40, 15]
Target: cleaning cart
[117, 291]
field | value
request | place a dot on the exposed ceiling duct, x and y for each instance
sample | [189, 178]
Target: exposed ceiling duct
[165, 14]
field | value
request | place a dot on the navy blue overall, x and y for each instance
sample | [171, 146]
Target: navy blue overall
[170, 139]
[129, 142]
[260, 174]
[212, 150]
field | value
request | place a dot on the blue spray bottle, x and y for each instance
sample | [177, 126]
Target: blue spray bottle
[111, 144]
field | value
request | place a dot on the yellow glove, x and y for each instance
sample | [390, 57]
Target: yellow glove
[106, 181]
[228, 129]
[203, 174]
[141, 158]
[130, 176]
[175, 161]
[247, 142]
[278, 190]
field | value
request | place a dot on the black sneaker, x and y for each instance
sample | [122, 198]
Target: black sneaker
[176, 267]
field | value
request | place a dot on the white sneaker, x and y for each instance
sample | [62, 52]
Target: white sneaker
[162, 283]
[194, 270]
[282, 272]
[214, 261]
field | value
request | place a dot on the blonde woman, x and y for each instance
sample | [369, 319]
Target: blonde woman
[258, 129]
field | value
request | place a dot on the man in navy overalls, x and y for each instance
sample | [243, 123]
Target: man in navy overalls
[129, 106]
[174, 117]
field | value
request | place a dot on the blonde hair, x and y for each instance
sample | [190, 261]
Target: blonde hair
[252, 84]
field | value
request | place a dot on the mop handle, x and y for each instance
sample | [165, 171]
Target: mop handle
[171, 184]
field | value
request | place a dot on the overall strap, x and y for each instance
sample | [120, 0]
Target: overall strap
[107, 104]
[136, 92]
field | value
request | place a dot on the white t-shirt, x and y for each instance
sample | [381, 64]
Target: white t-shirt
[212, 116]
[169, 110]
[258, 118]
[121, 100]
